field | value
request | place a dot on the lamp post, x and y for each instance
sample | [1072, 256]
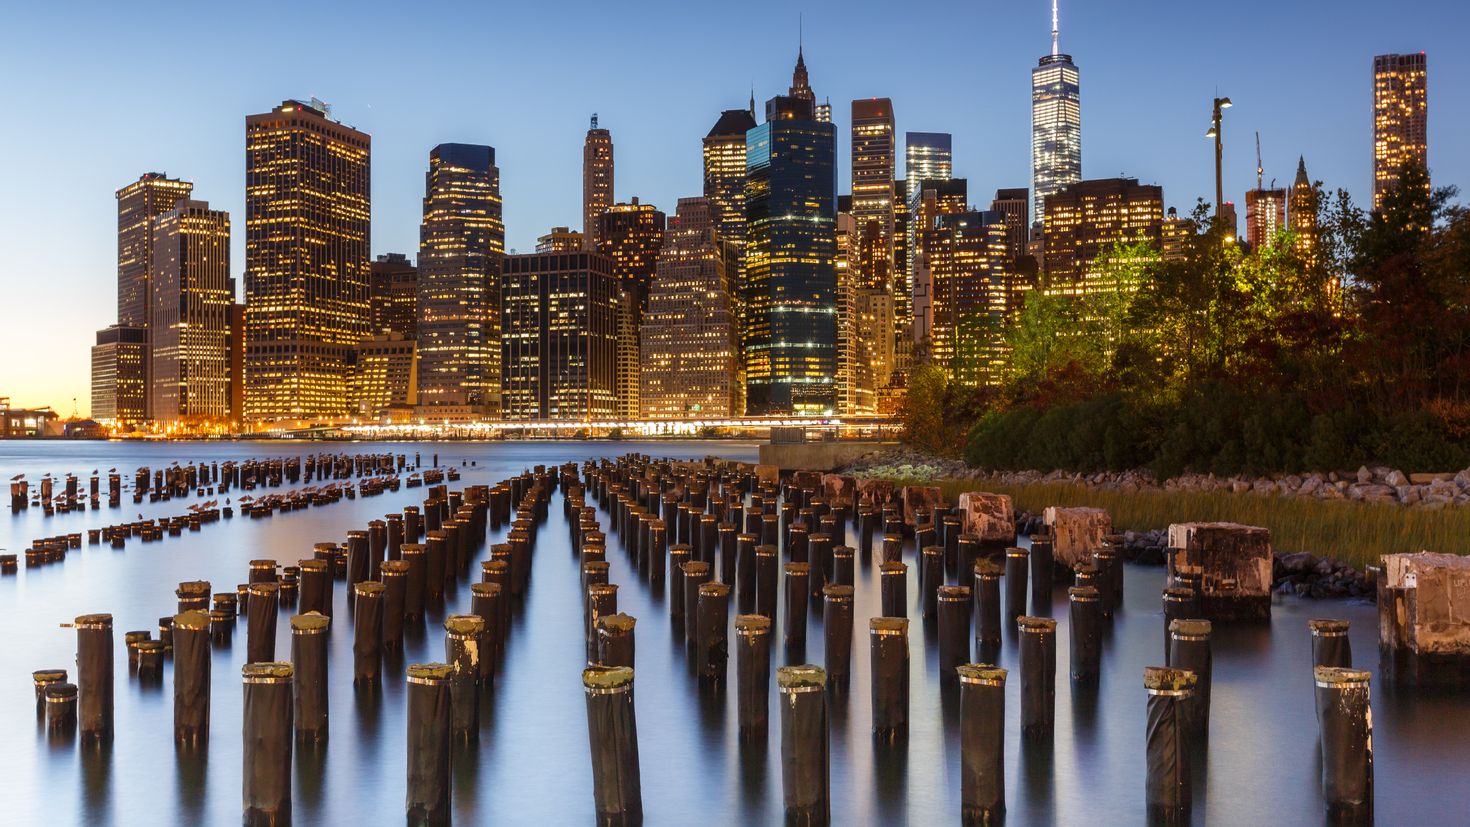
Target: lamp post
[1221, 104]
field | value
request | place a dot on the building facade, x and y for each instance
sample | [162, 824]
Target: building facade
[788, 298]
[393, 295]
[560, 240]
[1265, 215]
[873, 159]
[631, 236]
[966, 254]
[1087, 219]
[307, 236]
[559, 336]
[189, 330]
[120, 375]
[724, 179]
[1303, 214]
[597, 180]
[139, 205]
[1056, 124]
[1400, 119]
[688, 335]
[385, 377]
[461, 246]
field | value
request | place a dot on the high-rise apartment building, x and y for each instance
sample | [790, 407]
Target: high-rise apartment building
[933, 199]
[120, 375]
[393, 294]
[1400, 119]
[597, 180]
[1265, 215]
[724, 180]
[308, 217]
[687, 340]
[1056, 123]
[873, 154]
[559, 337]
[789, 335]
[139, 205]
[461, 245]
[189, 328]
[970, 283]
[1087, 219]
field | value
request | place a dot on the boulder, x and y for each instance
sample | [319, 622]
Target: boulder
[916, 497]
[1396, 478]
[1076, 532]
[1364, 475]
[1234, 564]
[989, 517]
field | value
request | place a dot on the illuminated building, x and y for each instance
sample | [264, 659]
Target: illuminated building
[1015, 204]
[385, 376]
[236, 345]
[932, 199]
[966, 254]
[120, 375]
[688, 333]
[189, 332]
[1174, 236]
[789, 331]
[558, 342]
[631, 236]
[1056, 124]
[597, 180]
[307, 233]
[461, 245]
[872, 194]
[1400, 119]
[1265, 215]
[393, 295]
[1303, 215]
[724, 180]
[927, 156]
[560, 240]
[1088, 218]
[139, 205]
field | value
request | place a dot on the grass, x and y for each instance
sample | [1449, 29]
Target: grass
[1356, 533]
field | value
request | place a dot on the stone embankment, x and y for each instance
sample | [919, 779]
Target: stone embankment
[1370, 485]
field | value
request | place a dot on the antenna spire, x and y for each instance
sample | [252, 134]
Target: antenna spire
[1055, 29]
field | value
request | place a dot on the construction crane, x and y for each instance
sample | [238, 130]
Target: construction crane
[1259, 170]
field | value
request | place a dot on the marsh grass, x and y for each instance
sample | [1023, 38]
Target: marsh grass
[1356, 533]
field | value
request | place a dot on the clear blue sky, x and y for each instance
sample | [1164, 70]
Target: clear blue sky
[97, 93]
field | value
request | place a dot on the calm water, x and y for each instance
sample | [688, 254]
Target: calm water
[531, 766]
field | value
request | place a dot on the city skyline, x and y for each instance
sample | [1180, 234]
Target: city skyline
[659, 142]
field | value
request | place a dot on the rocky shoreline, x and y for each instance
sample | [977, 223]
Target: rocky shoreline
[1380, 484]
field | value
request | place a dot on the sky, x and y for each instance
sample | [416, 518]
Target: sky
[95, 94]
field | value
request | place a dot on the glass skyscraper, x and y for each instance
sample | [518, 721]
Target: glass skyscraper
[1056, 124]
[789, 328]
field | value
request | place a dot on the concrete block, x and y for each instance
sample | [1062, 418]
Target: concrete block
[989, 517]
[768, 474]
[875, 492]
[1077, 532]
[1430, 614]
[916, 497]
[1234, 564]
[839, 488]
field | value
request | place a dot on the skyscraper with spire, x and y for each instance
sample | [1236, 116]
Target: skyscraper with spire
[1302, 204]
[1056, 123]
[597, 180]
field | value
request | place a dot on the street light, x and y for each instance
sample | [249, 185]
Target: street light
[1215, 132]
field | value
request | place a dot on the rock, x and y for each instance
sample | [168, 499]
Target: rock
[1239, 486]
[1264, 487]
[1076, 532]
[1310, 485]
[1364, 475]
[1396, 478]
[989, 517]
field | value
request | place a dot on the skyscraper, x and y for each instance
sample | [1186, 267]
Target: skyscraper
[559, 240]
[966, 254]
[307, 235]
[688, 333]
[189, 329]
[789, 335]
[393, 295]
[139, 205]
[872, 189]
[724, 180]
[559, 317]
[120, 375]
[1265, 215]
[1056, 123]
[1400, 119]
[1086, 219]
[927, 156]
[934, 198]
[1014, 203]
[630, 235]
[597, 180]
[461, 245]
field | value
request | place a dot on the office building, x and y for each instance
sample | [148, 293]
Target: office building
[597, 180]
[1087, 219]
[1303, 215]
[461, 245]
[385, 380]
[966, 256]
[1400, 119]
[687, 339]
[724, 180]
[189, 329]
[393, 288]
[631, 236]
[1175, 235]
[1015, 204]
[139, 205]
[789, 335]
[307, 235]
[560, 240]
[120, 375]
[1056, 124]
[559, 337]
[872, 189]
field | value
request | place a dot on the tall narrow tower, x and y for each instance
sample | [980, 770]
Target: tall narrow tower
[1400, 119]
[1056, 123]
[597, 180]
